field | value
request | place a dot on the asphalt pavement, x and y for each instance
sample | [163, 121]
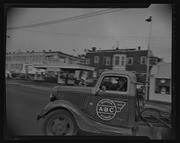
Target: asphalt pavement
[23, 104]
[24, 101]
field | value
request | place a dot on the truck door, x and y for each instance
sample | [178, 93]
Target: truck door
[113, 106]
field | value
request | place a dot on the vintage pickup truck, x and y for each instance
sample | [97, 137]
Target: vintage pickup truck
[110, 107]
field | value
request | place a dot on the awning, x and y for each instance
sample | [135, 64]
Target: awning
[77, 67]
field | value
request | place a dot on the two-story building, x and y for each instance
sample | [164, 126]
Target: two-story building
[125, 59]
[19, 61]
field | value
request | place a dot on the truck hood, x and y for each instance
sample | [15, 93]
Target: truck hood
[73, 89]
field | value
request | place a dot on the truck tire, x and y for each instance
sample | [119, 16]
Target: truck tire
[59, 123]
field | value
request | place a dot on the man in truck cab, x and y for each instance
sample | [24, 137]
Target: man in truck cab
[115, 83]
[122, 84]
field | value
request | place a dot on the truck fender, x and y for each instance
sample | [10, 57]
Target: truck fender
[80, 117]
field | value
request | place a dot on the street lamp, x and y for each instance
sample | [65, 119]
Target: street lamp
[148, 48]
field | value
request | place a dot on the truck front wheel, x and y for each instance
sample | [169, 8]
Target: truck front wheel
[59, 123]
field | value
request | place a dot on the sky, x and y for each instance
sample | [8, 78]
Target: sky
[125, 28]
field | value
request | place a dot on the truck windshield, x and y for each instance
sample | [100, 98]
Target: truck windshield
[115, 83]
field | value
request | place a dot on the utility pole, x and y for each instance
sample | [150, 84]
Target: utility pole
[148, 49]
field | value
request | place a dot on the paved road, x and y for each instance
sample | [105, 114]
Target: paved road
[22, 106]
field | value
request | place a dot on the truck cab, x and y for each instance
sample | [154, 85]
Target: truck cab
[112, 101]
[109, 107]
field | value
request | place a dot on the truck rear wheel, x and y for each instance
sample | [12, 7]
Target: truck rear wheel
[59, 123]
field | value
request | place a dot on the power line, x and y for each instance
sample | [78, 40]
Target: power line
[66, 19]
[101, 36]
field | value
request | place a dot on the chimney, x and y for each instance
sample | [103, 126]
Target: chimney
[139, 48]
[49, 50]
[93, 49]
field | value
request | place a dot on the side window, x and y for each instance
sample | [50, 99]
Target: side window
[115, 83]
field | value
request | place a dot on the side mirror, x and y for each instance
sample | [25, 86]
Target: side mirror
[102, 87]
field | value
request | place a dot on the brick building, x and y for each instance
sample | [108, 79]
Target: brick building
[124, 59]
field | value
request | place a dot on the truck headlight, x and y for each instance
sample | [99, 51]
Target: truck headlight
[52, 97]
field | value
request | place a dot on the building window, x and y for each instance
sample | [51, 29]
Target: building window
[116, 60]
[94, 74]
[119, 60]
[123, 61]
[162, 86]
[87, 61]
[143, 60]
[130, 61]
[96, 59]
[107, 61]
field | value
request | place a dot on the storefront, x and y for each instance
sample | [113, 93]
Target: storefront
[160, 83]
